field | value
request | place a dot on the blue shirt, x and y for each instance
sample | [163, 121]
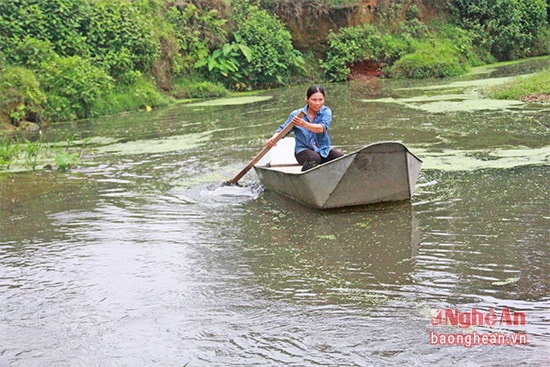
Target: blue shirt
[306, 139]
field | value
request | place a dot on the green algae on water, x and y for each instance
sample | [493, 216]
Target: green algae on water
[460, 96]
[230, 101]
[160, 145]
[469, 160]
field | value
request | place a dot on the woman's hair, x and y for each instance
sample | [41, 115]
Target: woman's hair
[315, 89]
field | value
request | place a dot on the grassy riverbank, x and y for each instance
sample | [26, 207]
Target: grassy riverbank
[69, 60]
[534, 88]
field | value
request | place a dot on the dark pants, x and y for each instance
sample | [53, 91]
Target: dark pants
[309, 158]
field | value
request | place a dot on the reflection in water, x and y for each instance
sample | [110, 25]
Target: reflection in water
[486, 227]
[142, 257]
[342, 256]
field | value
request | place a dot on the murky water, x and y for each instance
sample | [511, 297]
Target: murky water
[140, 257]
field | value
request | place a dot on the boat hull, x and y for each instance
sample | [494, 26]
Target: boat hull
[379, 172]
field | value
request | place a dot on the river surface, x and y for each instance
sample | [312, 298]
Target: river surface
[139, 256]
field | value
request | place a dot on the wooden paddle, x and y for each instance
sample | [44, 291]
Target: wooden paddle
[264, 151]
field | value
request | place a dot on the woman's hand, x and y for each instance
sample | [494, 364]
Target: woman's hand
[298, 121]
[270, 142]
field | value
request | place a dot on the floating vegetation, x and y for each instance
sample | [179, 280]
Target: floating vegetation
[463, 95]
[468, 102]
[468, 160]
[327, 237]
[506, 281]
[364, 224]
[357, 296]
[160, 145]
[231, 101]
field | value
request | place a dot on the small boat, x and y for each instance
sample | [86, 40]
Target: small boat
[378, 172]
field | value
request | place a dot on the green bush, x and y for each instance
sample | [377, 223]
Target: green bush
[20, 95]
[413, 28]
[191, 88]
[463, 40]
[141, 93]
[362, 43]
[432, 59]
[73, 85]
[112, 33]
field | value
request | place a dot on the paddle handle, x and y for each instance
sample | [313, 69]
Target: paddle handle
[264, 151]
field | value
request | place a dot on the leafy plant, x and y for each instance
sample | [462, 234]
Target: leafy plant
[20, 95]
[197, 33]
[225, 62]
[64, 160]
[8, 152]
[31, 150]
[509, 29]
[273, 58]
[120, 37]
[30, 52]
[18, 113]
[58, 22]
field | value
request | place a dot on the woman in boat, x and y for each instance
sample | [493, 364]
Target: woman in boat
[311, 132]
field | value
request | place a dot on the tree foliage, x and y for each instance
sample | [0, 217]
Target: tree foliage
[59, 22]
[120, 37]
[197, 33]
[509, 29]
[21, 95]
[273, 58]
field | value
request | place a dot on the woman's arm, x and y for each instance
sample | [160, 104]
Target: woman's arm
[294, 116]
[314, 128]
[297, 121]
